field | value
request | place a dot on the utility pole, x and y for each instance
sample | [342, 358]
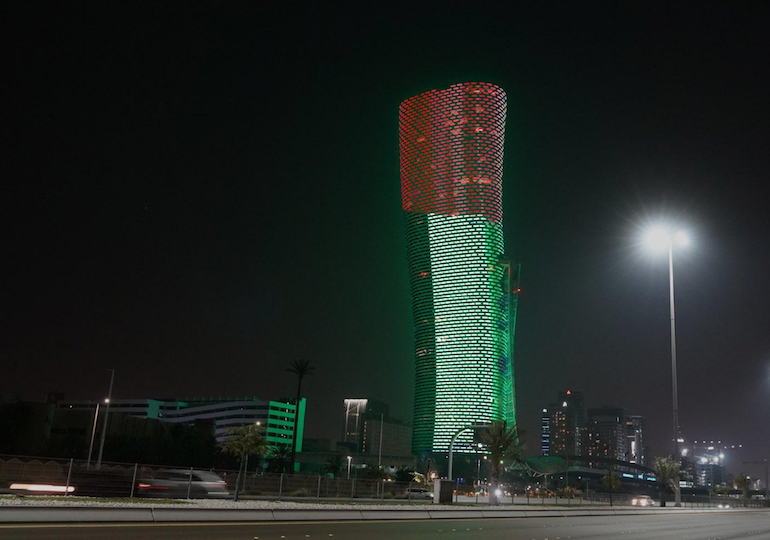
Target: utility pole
[106, 416]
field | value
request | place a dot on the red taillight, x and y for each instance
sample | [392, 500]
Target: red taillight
[151, 487]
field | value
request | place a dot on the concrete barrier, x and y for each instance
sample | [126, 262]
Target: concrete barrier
[91, 514]
[63, 514]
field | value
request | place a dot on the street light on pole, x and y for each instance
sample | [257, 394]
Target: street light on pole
[452, 443]
[106, 416]
[93, 436]
[659, 239]
[350, 461]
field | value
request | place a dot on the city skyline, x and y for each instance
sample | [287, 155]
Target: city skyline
[196, 213]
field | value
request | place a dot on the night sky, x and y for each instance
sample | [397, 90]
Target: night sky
[197, 194]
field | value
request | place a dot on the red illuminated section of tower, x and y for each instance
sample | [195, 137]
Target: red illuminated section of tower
[451, 144]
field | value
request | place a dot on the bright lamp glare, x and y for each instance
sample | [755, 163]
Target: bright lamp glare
[657, 239]
[682, 238]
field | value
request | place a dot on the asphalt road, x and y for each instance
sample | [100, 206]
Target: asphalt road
[723, 526]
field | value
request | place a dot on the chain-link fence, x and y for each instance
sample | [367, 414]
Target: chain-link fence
[30, 475]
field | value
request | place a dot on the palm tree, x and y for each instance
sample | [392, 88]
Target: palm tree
[279, 459]
[243, 441]
[334, 465]
[301, 368]
[667, 472]
[502, 444]
[612, 482]
[743, 482]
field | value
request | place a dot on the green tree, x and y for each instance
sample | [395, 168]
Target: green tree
[612, 482]
[243, 441]
[375, 473]
[301, 369]
[503, 446]
[405, 475]
[279, 459]
[667, 472]
[743, 482]
[334, 465]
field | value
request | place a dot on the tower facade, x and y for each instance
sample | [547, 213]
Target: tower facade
[451, 151]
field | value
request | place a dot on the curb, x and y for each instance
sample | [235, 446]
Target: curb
[83, 514]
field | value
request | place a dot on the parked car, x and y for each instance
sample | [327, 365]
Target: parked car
[175, 483]
[642, 500]
[419, 493]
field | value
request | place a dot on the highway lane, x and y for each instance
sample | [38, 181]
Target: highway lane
[722, 526]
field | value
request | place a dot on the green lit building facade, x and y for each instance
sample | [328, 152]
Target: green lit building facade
[463, 287]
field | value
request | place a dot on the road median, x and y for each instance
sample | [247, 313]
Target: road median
[156, 514]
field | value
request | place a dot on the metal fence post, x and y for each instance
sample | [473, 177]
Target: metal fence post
[409, 491]
[133, 482]
[280, 488]
[69, 475]
[189, 483]
[318, 493]
[352, 489]
[382, 494]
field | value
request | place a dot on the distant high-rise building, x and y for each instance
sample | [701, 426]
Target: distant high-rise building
[563, 425]
[635, 436]
[357, 413]
[463, 287]
[607, 433]
[386, 436]
[545, 432]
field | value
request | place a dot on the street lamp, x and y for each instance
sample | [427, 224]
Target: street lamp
[659, 239]
[350, 461]
[106, 416]
[93, 435]
[452, 443]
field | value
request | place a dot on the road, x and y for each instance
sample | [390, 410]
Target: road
[722, 526]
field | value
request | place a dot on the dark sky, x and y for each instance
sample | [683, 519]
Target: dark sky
[196, 194]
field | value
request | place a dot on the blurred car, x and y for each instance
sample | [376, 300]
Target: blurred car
[642, 500]
[723, 505]
[175, 483]
[419, 493]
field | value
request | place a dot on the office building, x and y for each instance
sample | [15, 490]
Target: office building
[276, 418]
[463, 287]
[607, 433]
[563, 425]
[369, 429]
[635, 442]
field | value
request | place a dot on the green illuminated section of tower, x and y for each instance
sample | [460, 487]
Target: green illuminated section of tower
[470, 322]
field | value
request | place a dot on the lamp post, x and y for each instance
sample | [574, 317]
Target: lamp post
[106, 415]
[93, 436]
[660, 238]
[452, 444]
[350, 461]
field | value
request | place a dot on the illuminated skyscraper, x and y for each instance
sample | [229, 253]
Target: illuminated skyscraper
[463, 287]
